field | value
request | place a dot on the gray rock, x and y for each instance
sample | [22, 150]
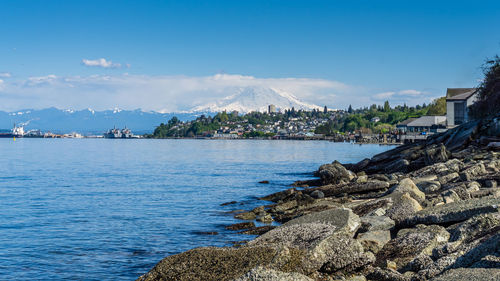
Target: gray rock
[451, 177]
[374, 240]
[372, 185]
[470, 274]
[245, 216]
[454, 212]
[374, 223]
[472, 172]
[334, 173]
[301, 236]
[411, 243]
[490, 183]
[342, 218]
[429, 186]
[265, 274]
[407, 186]
[338, 252]
[404, 206]
[450, 196]
[206, 264]
[435, 154]
[473, 186]
[317, 194]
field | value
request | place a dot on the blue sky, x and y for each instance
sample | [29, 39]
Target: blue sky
[401, 50]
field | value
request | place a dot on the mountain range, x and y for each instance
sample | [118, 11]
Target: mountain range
[89, 121]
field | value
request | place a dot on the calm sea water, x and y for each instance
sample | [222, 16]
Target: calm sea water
[97, 209]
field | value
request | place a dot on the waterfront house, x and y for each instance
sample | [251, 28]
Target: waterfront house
[403, 126]
[427, 124]
[458, 101]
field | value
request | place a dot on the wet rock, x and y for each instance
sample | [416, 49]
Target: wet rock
[454, 212]
[266, 218]
[264, 182]
[258, 230]
[205, 232]
[258, 210]
[408, 186]
[317, 194]
[284, 206]
[275, 197]
[245, 216]
[228, 203]
[470, 274]
[374, 240]
[334, 173]
[342, 218]
[351, 188]
[411, 243]
[265, 274]
[240, 226]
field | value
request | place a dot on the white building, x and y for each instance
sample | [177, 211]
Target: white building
[458, 101]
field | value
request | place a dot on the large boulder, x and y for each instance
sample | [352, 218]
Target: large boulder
[470, 274]
[454, 212]
[375, 223]
[334, 173]
[403, 207]
[411, 243]
[205, 264]
[408, 186]
[435, 154]
[266, 274]
[343, 219]
[374, 240]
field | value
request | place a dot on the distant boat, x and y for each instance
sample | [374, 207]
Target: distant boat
[16, 132]
[119, 134]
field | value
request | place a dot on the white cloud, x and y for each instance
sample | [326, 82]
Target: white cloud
[5, 74]
[408, 96]
[384, 95]
[411, 93]
[178, 93]
[102, 62]
[158, 93]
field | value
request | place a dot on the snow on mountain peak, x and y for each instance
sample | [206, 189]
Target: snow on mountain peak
[255, 99]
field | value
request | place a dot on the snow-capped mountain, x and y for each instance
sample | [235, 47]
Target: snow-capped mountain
[87, 121]
[256, 99]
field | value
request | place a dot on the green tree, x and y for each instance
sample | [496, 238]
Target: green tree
[437, 107]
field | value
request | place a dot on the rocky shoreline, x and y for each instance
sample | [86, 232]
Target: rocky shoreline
[423, 211]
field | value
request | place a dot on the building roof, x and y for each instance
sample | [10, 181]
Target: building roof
[459, 93]
[427, 121]
[405, 122]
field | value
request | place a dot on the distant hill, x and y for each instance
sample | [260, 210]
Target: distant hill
[88, 121]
